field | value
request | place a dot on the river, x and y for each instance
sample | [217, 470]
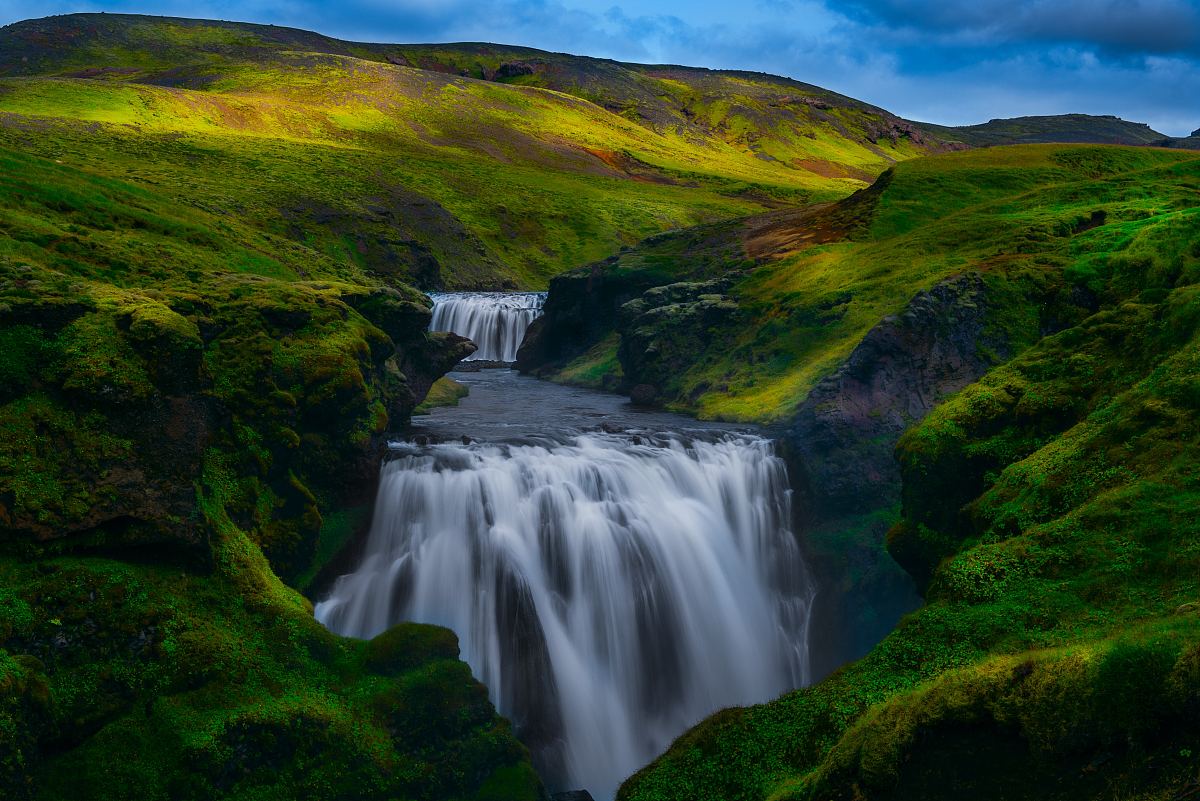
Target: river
[614, 575]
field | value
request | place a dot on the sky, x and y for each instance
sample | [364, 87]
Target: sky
[953, 62]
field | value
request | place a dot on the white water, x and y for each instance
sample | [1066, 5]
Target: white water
[610, 590]
[495, 321]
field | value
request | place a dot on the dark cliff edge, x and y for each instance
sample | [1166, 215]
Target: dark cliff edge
[841, 441]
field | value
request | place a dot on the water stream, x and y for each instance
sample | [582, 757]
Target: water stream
[495, 321]
[614, 576]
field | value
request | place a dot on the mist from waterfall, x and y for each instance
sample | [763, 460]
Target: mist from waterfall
[610, 590]
[495, 321]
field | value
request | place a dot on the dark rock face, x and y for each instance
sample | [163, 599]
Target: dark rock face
[843, 435]
[515, 69]
[572, 795]
[644, 394]
[582, 308]
[841, 443]
[840, 446]
[664, 329]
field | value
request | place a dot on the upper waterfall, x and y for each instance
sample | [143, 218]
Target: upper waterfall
[495, 321]
[610, 589]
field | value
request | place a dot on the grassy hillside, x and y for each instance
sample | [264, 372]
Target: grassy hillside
[806, 286]
[843, 325]
[450, 166]
[1048, 511]
[190, 409]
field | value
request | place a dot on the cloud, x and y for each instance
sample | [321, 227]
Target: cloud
[1120, 26]
[947, 61]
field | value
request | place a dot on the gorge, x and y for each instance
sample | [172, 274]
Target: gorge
[787, 449]
[614, 575]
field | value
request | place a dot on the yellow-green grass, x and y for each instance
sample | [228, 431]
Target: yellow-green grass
[536, 180]
[444, 392]
[597, 367]
[1004, 211]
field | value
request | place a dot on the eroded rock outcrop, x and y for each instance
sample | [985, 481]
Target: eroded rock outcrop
[582, 308]
[664, 329]
[844, 433]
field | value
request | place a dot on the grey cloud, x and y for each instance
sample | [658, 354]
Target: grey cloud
[1153, 26]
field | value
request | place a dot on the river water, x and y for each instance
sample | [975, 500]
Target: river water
[614, 575]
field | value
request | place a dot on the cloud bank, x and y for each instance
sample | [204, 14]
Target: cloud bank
[946, 61]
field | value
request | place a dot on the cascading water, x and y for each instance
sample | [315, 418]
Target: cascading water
[611, 590]
[495, 321]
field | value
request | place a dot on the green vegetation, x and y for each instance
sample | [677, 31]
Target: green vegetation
[416, 173]
[134, 680]
[207, 231]
[189, 406]
[1062, 128]
[1048, 512]
[444, 392]
[1030, 220]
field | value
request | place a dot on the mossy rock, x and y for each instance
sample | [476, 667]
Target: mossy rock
[408, 645]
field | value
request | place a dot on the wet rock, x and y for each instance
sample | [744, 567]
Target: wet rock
[581, 309]
[572, 795]
[644, 394]
[664, 329]
[844, 433]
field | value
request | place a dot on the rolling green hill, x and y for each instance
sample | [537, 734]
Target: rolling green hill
[448, 166]
[807, 285]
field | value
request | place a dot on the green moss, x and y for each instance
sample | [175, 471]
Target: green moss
[598, 367]
[173, 442]
[444, 392]
[810, 289]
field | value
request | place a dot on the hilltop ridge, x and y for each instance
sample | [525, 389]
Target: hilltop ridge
[454, 165]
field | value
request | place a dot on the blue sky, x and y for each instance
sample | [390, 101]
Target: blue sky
[947, 61]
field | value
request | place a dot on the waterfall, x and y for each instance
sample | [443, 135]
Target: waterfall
[495, 321]
[610, 590]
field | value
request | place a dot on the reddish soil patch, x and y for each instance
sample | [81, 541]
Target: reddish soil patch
[629, 167]
[830, 169]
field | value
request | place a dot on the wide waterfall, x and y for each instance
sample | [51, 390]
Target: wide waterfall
[495, 321]
[610, 589]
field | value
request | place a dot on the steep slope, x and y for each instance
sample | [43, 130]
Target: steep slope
[846, 324]
[191, 408]
[422, 173]
[1049, 515]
